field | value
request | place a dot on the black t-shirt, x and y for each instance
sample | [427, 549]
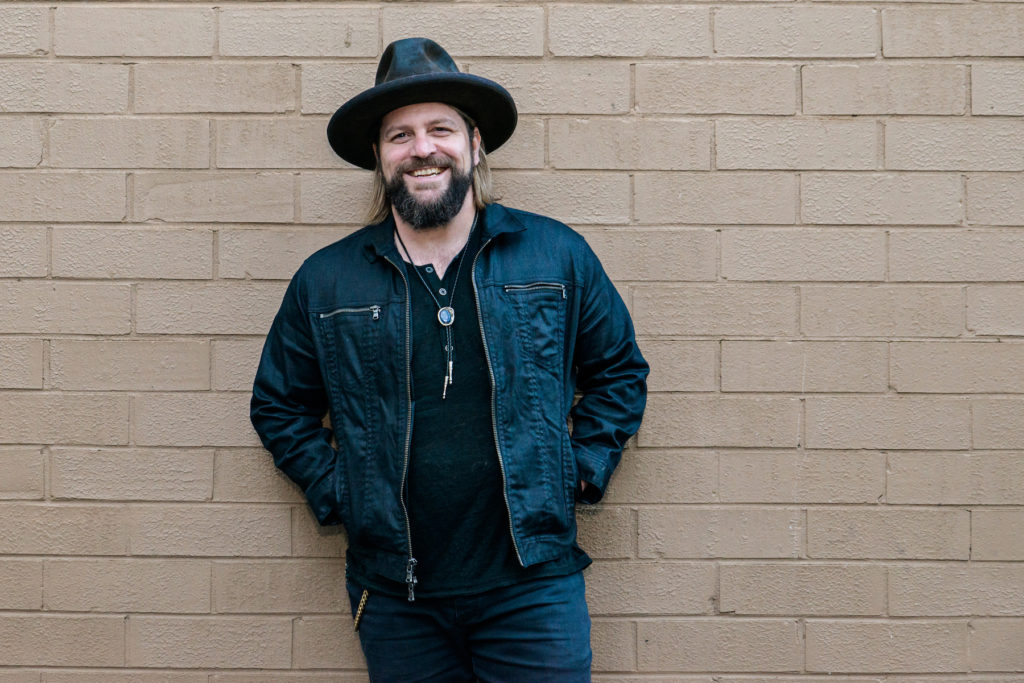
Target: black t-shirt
[461, 534]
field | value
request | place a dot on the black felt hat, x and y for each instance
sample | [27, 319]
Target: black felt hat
[414, 70]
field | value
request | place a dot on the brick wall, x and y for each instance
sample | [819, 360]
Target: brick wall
[814, 210]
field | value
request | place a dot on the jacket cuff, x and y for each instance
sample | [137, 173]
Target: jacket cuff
[322, 501]
[593, 470]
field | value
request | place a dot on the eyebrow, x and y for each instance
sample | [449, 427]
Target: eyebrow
[441, 119]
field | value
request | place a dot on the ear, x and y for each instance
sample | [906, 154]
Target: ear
[476, 146]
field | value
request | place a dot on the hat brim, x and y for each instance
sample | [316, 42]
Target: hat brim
[352, 130]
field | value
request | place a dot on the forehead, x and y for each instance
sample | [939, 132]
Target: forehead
[421, 113]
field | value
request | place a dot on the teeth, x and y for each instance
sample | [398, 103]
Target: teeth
[420, 172]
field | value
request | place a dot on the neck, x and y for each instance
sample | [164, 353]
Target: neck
[437, 246]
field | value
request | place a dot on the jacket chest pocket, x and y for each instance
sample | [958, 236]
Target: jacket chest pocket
[349, 340]
[538, 321]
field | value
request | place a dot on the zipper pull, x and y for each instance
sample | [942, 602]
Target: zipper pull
[376, 312]
[410, 578]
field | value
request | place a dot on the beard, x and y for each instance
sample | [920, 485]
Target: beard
[431, 214]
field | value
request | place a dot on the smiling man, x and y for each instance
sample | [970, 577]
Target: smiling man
[448, 341]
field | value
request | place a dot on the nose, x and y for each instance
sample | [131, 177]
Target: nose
[423, 145]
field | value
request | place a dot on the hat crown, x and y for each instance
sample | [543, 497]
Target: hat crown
[413, 57]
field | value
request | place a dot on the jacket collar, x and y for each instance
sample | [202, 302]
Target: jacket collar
[495, 220]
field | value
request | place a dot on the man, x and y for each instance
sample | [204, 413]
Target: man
[447, 341]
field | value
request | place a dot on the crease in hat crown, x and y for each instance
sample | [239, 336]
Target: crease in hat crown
[411, 71]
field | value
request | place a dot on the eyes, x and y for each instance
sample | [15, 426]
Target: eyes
[439, 130]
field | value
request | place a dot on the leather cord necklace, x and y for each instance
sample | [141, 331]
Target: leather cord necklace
[445, 314]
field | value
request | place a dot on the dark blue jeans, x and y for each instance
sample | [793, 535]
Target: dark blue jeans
[534, 631]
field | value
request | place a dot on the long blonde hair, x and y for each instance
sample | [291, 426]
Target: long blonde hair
[483, 189]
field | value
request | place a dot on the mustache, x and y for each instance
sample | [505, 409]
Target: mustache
[428, 162]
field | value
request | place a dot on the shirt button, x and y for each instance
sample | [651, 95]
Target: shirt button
[442, 291]
[429, 269]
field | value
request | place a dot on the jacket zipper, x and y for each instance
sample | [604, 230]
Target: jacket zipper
[494, 393]
[536, 285]
[375, 310]
[410, 565]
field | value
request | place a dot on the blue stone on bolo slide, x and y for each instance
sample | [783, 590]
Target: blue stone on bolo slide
[446, 316]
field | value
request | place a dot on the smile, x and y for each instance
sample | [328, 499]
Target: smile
[424, 172]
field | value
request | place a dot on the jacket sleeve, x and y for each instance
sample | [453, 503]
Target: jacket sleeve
[288, 405]
[611, 376]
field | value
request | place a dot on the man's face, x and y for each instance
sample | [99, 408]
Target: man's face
[427, 158]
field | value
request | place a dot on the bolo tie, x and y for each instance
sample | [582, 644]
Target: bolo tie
[445, 314]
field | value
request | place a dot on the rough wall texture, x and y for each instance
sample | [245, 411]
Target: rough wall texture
[814, 210]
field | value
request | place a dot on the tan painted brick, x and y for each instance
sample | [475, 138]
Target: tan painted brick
[957, 590]
[59, 418]
[51, 307]
[716, 309]
[123, 585]
[572, 197]
[639, 254]
[288, 586]
[713, 533]
[903, 534]
[63, 196]
[995, 644]
[270, 254]
[995, 199]
[673, 420]
[119, 474]
[326, 642]
[207, 308]
[885, 422]
[275, 143]
[795, 144]
[716, 198]
[807, 679]
[210, 530]
[15, 676]
[23, 584]
[132, 253]
[310, 539]
[998, 423]
[754, 645]
[996, 88]
[637, 31]
[883, 88]
[881, 311]
[664, 477]
[995, 309]
[52, 640]
[598, 86]
[24, 31]
[339, 197]
[801, 477]
[62, 530]
[995, 534]
[221, 197]
[811, 589]
[670, 588]
[953, 31]
[209, 642]
[525, 149]
[614, 645]
[803, 254]
[249, 475]
[716, 88]
[214, 87]
[630, 143]
[955, 478]
[681, 365]
[212, 419]
[285, 677]
[804, 366]
[326, 86]
[134, 31]
[955, 255]
[129, 365]
[21, 474]
[112, 676]
[234, 363]
[796, 31]
[881, 198]
[606, 532]
[129, 143]
[902, 646]
[958, 368]
[498, 30]
[21, 139]
[981, 145]
[273, 31]
[62, 87]
[24, 250]
[21, 363]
